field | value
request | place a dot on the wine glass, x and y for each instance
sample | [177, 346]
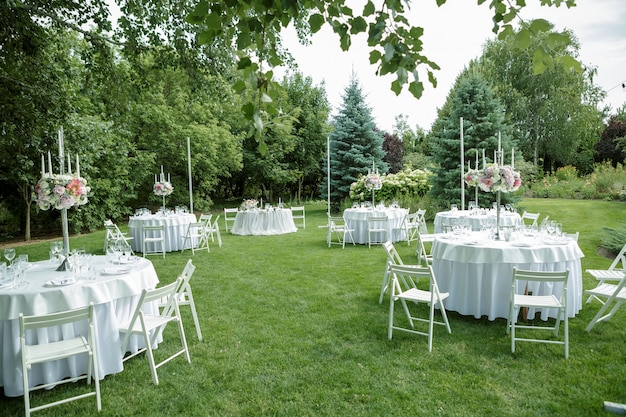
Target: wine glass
[9, 253]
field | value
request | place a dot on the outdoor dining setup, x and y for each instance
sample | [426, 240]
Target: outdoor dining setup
[80, 316]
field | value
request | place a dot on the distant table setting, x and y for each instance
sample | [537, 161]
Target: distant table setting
[112, 284]
[175, 222]
[262, 222]
[477, 270]
[476, 219]
[356, 219]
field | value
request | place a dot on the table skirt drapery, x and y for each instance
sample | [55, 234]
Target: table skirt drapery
[176, 225]
[356, 219]
[262, 222]
[115, 298]
[478, 276]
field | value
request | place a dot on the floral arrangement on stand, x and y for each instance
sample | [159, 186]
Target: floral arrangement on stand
[494, 178]
[163, 188]
[373, 181]
[61, 191]
[249, 204]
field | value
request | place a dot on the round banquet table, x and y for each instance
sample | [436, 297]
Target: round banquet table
[478, 271]
[356, 219]
[176, 225]
[445, 219]
[114, 291]
[260, 222]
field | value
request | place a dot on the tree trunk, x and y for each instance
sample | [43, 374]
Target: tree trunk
[28, 203]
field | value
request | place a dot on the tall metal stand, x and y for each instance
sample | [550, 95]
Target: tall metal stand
[497, 235]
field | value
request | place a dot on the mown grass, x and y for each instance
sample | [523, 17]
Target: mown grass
[293, 328]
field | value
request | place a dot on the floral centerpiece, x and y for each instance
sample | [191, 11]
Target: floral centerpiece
[61, 191]
[494, 178]
[373, 181]
[249, 204]
[163, 188]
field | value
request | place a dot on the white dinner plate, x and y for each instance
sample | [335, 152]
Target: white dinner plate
[115, 271]
[521, 244]
[61, 282]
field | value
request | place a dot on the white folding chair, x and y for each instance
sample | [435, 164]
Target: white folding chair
[113, 233]
[338, 228]
[423, 255]
[154, 235]
[213, 231]
[393, 258]
[196, 232]
[613, 273]
[533, 217]
[555, 279]
[377, 226]
[185, 296]
[62, 349]
[298, 214]
[404, 282]
[230, 214]
[151, 326]
[610, 295]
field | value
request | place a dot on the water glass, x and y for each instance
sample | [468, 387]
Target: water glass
[453, 207]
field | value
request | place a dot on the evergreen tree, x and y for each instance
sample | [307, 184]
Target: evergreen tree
[354, 144]
[483, 119]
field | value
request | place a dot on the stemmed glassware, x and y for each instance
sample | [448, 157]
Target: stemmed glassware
[9, 253]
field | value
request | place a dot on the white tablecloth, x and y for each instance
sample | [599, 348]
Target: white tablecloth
[477, 272]
[259, 222]
[445, 219]
[175, 229]
[356, 219]
[115, 298]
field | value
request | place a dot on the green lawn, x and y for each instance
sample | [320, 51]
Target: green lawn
[293, 328]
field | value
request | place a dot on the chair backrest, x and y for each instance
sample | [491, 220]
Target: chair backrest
[55, 319]
[154, 228]
[298, 210]
[215, 224]
[421, 219]
[206, 219]
[335, 222]
[228, 211]
[406, 277]
[377, 221]
[620, 256]
[530, 216]
[165, 294]
[541, 276]
[393, 258]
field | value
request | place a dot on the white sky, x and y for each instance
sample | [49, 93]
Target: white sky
[453, 35]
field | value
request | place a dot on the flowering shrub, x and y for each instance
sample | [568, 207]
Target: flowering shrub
[494, 178]
[408, 182]
[163, 188]
[61, 191]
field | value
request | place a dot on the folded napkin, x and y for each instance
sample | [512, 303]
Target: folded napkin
[60, 282]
